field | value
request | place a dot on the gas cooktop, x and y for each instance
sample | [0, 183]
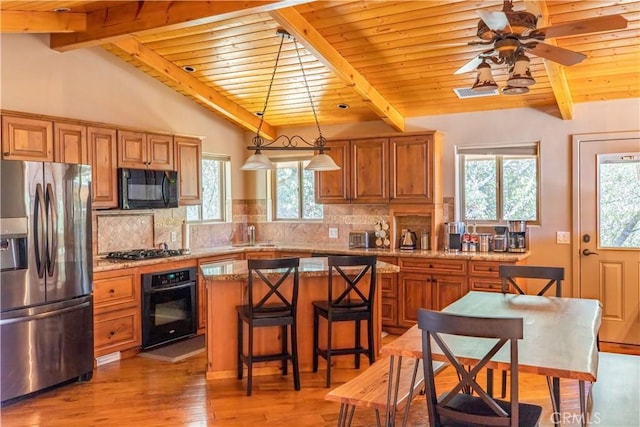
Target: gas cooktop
[137, 254]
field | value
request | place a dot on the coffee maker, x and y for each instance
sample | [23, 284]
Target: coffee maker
[517, 241]
[453, 232]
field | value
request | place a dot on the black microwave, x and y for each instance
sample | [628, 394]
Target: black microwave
[147, 189]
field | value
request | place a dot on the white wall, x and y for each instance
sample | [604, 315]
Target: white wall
[92, 84]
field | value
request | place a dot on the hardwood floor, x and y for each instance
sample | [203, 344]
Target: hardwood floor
[145, 392]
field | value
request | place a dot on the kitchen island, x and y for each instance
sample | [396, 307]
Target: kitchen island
[225, 289]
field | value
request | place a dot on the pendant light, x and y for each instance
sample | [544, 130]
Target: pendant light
[258, 161]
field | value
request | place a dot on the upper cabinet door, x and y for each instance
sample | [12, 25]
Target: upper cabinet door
[370, 170]
[188, 158]
[132, 150]
[334, 186]
[414, 169]
[71, 143]
[104, 167]
[160, 151]
[27, 139]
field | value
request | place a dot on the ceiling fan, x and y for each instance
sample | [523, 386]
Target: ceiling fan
[510, 35]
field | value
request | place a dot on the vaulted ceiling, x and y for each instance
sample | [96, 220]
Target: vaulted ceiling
[387, 60]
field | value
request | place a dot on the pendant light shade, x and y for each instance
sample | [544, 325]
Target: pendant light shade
[257, 161]
[322, 162]
[319, 162]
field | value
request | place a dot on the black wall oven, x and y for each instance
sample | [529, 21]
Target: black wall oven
[169, 306]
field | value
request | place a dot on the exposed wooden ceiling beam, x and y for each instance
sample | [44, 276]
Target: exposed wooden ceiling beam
[313, 41]
[555, 71]
[196, 88]
[14, 21]
[139, 17]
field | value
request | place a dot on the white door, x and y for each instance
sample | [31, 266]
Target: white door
[607, 168]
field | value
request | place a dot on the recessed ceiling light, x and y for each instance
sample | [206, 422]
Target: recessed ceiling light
[189, 68]
[258, 113]
[342, 106]
[62, 9]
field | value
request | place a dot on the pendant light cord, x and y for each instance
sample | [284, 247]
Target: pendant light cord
[273, 76]
[306, 85]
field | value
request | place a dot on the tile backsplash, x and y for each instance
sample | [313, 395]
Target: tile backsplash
[123, 230]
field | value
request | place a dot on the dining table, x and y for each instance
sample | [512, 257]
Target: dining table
[560, 340]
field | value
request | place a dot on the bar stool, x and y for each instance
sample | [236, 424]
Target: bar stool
[271, 302]
[353, 303]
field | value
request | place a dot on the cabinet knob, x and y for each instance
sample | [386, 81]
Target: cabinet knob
[112, 291]
[490, 269]
[112, 333]
[5, 153]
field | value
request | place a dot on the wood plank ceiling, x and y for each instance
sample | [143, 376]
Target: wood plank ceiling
[386, 60]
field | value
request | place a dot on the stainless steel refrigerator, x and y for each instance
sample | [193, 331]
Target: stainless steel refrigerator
[46, 310]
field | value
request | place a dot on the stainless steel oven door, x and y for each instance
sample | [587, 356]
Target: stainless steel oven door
[168, 314]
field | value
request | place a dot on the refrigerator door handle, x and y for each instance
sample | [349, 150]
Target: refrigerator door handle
[45, 314]
[52, 230]
[39, 216]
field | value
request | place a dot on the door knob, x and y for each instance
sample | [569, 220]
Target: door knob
[587, 252]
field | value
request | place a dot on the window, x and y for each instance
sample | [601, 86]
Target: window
[499, 183]
[293, 190]
[215, 182]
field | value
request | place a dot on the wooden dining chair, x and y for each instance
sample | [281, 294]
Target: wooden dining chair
[459, 407]
[510, 275]
[352, 302]
[272, 300]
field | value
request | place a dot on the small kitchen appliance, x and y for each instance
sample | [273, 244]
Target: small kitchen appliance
[500, 238]
[147, 189]
[517, 236]
[453, 236]
[408, 241]
[362, 239]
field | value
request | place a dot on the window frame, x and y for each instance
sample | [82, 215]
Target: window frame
[500, 152]
[273, 190]
[225, 190]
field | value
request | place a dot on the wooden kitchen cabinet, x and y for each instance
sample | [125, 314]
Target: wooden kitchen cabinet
[140, 150]
[27, 138]
[431, 283]
[484, 276]
[104, 183]
[202, 288]
[388, 287]
[414, 169]
[116, 297]
[70, 143]
[335, 186]
[396, 169]
[188, 161]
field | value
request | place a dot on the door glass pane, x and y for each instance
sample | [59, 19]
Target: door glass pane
[619, 200]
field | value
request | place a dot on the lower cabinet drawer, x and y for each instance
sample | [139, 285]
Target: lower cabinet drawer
[482, 284]
[116, 330]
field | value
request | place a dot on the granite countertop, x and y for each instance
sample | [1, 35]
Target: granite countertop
[309, 267]
[103, 264]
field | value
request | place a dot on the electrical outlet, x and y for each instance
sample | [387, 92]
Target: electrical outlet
[174, 236]
[563, 237]
[333, 233]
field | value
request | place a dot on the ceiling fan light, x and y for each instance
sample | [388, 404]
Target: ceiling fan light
[257, 161]
[322, 162]
[521, 74]
[484, 82]
[515, 90]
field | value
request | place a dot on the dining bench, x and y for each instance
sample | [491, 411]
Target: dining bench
[370, 389]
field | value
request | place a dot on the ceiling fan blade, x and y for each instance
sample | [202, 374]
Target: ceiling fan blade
[496, 21]
[469, 66]
[558, 54]
[583, 26]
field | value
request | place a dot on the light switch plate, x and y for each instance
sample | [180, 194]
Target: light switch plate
[333, 233]
[563, 237]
